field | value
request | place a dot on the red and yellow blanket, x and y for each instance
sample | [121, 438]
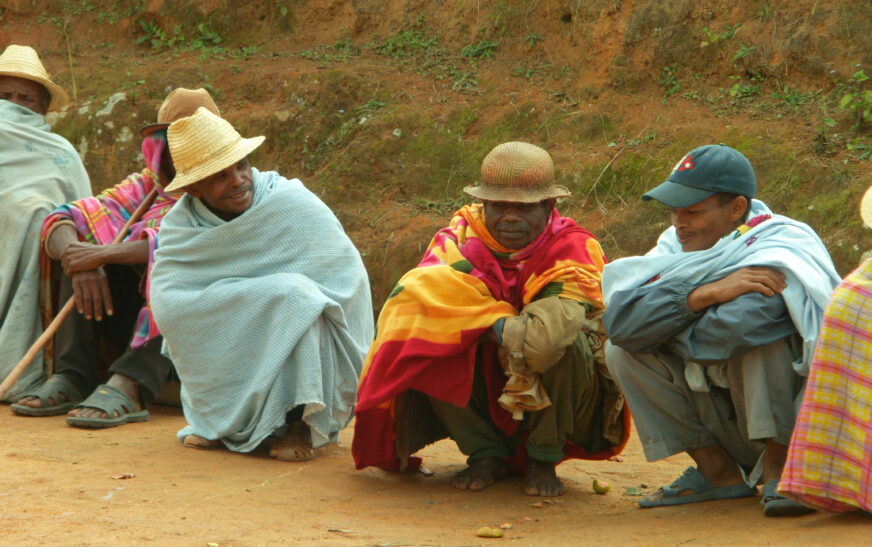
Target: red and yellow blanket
[429, 330]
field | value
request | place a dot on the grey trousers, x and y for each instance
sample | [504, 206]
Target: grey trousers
[672, 418]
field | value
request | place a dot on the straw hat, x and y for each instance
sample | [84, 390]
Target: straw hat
[866, 208]
[180, 103]
[202, 145]
[23, 62]
[519, 172]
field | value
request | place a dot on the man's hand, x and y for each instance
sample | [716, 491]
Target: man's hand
[744, 280]
[91, 291]
[82, 257]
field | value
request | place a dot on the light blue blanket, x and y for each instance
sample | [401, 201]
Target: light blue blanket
[261, 314]
[39, 170]
[780, 243]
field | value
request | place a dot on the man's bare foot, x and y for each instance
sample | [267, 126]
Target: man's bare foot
[295, 445]
[200, 443]
[541, 480]
[480, 474]
[129, 386]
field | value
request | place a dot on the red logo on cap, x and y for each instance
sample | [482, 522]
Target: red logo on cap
[686, 163]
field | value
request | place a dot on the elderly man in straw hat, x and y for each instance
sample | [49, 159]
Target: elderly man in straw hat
[711, 332]
[110, 283]
[828, 461]
[494, 340]
[38, 170]
[263, 300]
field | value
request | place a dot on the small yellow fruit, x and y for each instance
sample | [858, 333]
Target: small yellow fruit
[488, 532]
[601, 487]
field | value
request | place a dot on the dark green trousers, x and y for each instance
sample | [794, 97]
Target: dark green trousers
[573, 386]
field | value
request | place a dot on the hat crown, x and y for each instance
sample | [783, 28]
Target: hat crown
[22, 59]
[716, 168]
[517, 165]
[182, 102]
[195, 139]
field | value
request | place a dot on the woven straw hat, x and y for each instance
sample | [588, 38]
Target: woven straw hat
[518, 172]
[202, 145]
[180, 103]
[866, 208]
[23, 62]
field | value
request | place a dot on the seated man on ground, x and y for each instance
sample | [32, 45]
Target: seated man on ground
[711, 332]
[831, 449]
[263, 300]
[38, 171]
[110, 282]
[494, 340]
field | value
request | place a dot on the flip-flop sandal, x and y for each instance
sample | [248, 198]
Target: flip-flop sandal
[703, 490]
[776, 505]
[52, 389]
[110, 400]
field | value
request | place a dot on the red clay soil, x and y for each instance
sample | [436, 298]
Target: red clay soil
[58, 489]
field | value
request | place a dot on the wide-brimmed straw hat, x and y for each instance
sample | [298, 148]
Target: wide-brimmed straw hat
[180, 103]
[202, 145]
[23, 62]
[866, 208]
[518, 172]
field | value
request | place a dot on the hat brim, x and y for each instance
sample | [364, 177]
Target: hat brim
[223, 160]
[517, 195]
[147, 130]
[866, 208]
[676, 196]
[59, 97]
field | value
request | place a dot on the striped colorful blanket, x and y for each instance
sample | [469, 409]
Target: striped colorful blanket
[98, 220]
[829, 464]
[429, 330]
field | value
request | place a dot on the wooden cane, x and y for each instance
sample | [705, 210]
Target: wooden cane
[62, 314]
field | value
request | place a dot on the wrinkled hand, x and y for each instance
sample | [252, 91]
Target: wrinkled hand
[81, 257]
[91, 292]
[744, 280]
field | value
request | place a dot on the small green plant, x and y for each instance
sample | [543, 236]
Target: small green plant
[742, 91]
[482, 50]
[406, 43]
[857, 99]
[794, 97]
[524, 72]
[533, 39]
[131, 87]
[205, 38]
[713, 37]
[859, 149]
[668, 81]
[743, 51]
[154, 35]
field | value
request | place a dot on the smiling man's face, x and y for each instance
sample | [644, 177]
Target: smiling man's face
[228, 193]
[699, 226]
[516, 225]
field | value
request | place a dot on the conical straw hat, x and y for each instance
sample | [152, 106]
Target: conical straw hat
[202, 145]
[180, 103]
[518, 172]
[23, 62]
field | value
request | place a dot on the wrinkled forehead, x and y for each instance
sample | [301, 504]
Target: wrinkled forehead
[22, 85]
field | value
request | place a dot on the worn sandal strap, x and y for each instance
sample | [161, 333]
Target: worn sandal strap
[56, 385]
[110, 400]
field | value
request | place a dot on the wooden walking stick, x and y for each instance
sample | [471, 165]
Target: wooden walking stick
[52, 328]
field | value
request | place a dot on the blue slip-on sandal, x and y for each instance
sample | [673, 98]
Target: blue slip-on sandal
[112, 401]
[52, 389]
[703, 490]
[776, 505]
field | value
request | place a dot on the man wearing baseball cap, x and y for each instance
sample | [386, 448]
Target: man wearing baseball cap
[262, 299]
[495, 340]
[711, 333]
[39, 170]
[110, 282]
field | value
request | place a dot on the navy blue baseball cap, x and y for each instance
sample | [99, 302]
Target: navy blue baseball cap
[702, 173]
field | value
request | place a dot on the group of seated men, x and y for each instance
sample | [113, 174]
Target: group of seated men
[512, 336]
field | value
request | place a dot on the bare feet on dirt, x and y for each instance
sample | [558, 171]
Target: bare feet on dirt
[200, 443]
[541, 480]
[295, 445]
[480, 474]
[130, 388]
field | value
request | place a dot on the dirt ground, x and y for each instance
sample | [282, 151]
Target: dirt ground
[58, 489]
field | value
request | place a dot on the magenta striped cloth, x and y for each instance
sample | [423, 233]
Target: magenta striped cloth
[829, 464]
